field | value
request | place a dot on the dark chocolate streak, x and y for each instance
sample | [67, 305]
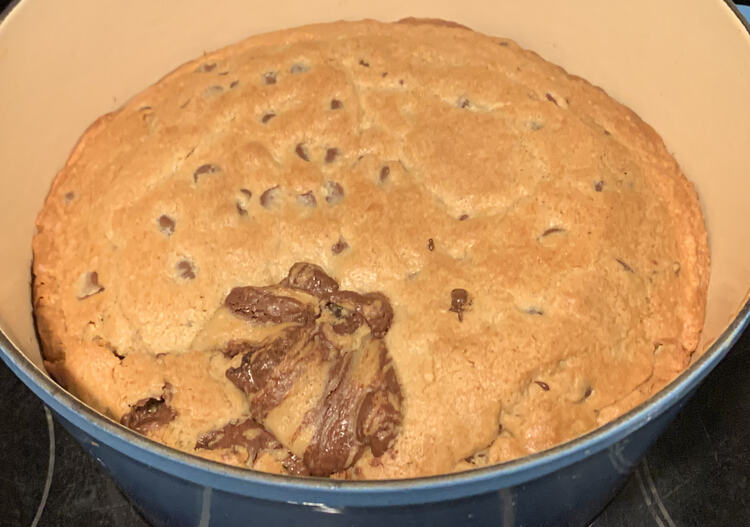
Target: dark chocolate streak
[259, 304]
[359, 405]
[246, 434]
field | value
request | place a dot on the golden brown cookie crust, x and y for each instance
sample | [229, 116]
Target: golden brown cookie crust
[411, 159]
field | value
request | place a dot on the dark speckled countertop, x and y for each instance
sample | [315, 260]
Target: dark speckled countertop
[695, 475]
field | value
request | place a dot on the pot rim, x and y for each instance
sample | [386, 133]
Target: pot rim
[323, 492]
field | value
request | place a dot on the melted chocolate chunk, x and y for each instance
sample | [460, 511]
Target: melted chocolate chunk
[384, 173]
[301, 151]
[246, 434]
[373, 307]
[336, 104]
[208, 168]
[463, 217]
[459, 302]
[256, 303]
[331, 155]
[69, 196]
[598, 186]
[363, 63]
[430, 244]
[543, 385]
[311, 278]
[267, 117]
[359, 401]
[463, 102]
[550, 98]
[185, 270]
[148, 414]
[340, 246]
[269, 78]
[268, 197]
[234, 84]
[298, 68]
[166, 225]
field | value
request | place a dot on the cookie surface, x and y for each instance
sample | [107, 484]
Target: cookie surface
[216, 263]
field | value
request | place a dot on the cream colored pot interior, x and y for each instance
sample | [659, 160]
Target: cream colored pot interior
[684, 66]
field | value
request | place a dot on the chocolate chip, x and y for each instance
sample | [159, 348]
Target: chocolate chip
[588, 392]
[144, 108]
[166, 225]
[430, 244]
[502, 43]
[336, 104]
[463, 102]
[246, 434]
[268, 197]
[208, 168]
[607, 132]
[185, 269]
[151, 413]
[269, 77]
[534, 311]
[624, 265]
[311, 278]
[88, 285]
[551, 230]
[363, 63]
[223, 73]
[334, 192]
[543, 385]
[550, 98]
[261, 305]
[241, 210]
[206, 67]
[535, 125]
[69, 196]
[340, 246]
[301, 151]
[463, 217]
[247, 192]
[459, 302]
[384, 173]
[298, 68]
[401, 82]
[598, 186]
[267, 117]
[233, 84]
[331, 155]
[307, 199]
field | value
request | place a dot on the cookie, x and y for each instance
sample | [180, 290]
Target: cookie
[369, 250]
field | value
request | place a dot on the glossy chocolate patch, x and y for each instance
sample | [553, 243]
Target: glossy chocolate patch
[151, 413]
[245, 435]
[329, 347]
